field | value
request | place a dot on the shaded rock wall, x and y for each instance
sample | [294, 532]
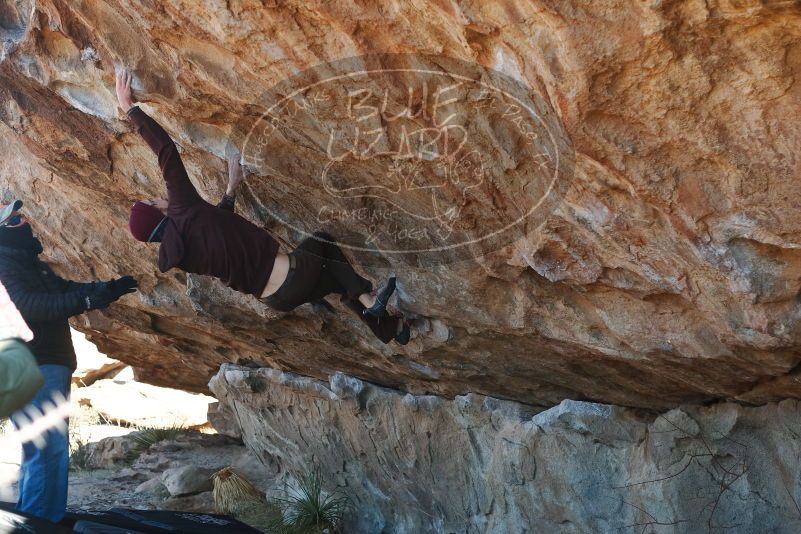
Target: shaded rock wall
[478, 464]
[669, 272]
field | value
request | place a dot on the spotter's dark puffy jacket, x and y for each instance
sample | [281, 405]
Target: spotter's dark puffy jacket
[45, 301]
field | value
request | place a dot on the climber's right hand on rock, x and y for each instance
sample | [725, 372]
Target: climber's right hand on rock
[123, 83]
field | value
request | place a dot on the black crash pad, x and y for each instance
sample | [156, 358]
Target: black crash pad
[160, 522]
[13, 522]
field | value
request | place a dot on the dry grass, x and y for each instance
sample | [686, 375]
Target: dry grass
[80, 453]
[231, 489]
[146, 437]
[236, 496]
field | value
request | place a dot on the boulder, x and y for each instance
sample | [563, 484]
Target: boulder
[223, 420]
[154, 487]
[423, 463]
[145, 405]
[643, 154]
[187, 480]
[661, 268]
[111, 452]
[139, 485]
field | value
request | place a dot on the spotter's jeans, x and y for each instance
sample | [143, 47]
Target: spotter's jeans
[43, 476]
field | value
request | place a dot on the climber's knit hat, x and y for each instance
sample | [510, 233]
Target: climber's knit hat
[144, 221]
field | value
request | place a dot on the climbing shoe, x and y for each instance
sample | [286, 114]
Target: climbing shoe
[381, 299]
[405, 334]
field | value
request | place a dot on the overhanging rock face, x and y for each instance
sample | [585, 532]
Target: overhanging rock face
[480, 465]
[668, 271]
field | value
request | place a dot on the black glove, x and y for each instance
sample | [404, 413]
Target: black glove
[120, 286]
[104, 293]
[99, 299]
[124, 285]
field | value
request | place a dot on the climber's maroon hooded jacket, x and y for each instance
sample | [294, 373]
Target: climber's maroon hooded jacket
[202, 238]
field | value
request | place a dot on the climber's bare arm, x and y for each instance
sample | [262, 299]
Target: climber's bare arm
[180, 191]
[235, 173]
[235, 177]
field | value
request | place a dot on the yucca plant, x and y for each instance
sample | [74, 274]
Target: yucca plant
[146, 437]
[80, 454]
[307, 509]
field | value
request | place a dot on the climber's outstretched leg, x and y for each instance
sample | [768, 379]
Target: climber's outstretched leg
[318, 268]
[338, 274]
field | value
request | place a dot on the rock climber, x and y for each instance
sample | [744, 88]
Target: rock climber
[200, 238]
[46, 302]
